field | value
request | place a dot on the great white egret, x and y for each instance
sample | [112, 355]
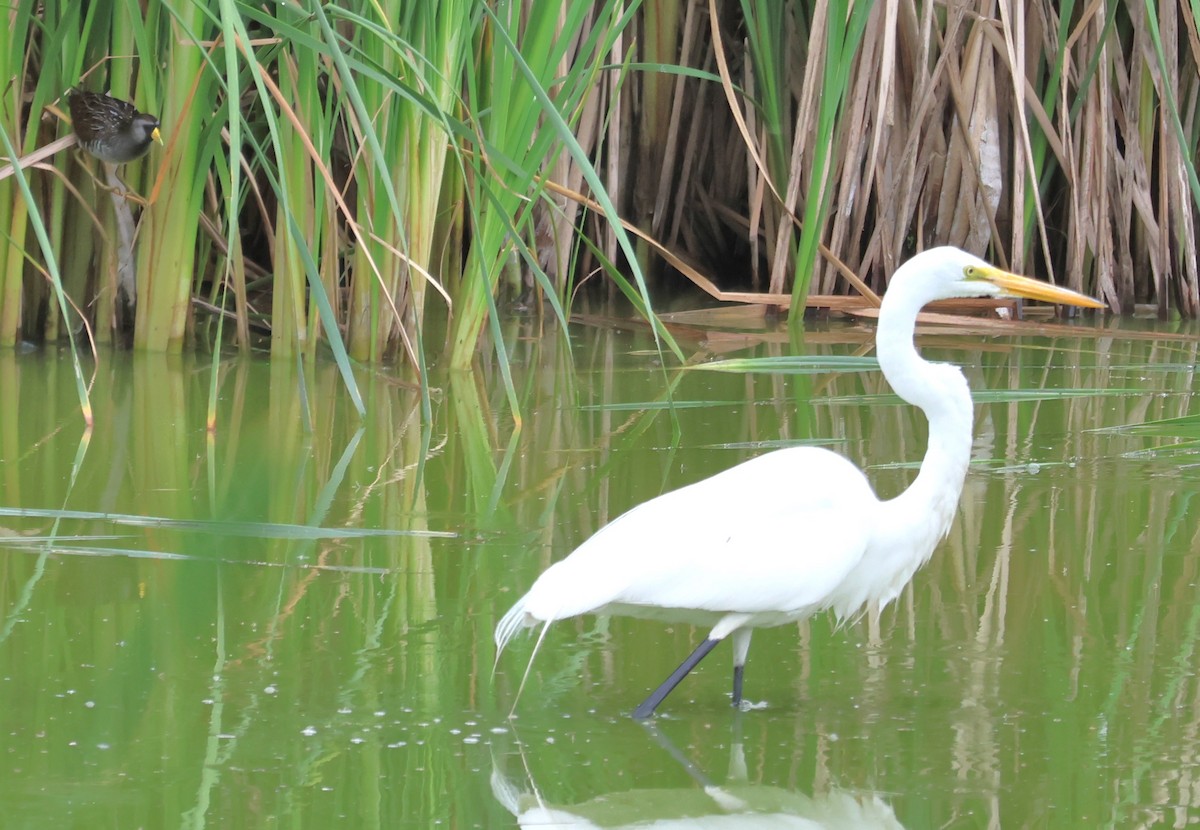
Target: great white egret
[795, 531]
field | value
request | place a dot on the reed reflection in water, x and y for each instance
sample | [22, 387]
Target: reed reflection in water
[264, 621]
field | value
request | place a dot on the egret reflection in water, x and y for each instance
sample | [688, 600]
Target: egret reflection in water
[736, 805]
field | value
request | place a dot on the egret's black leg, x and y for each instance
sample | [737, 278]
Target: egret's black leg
[647, 707]
[741, 646]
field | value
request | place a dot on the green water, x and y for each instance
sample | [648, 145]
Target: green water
[266, 624]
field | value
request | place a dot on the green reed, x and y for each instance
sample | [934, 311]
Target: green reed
[13, 208]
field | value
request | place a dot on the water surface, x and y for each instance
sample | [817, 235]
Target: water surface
[273, 622]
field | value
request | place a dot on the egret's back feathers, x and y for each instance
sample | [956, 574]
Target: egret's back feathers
[713, 547]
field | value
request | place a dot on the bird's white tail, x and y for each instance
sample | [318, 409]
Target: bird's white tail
[509, 626]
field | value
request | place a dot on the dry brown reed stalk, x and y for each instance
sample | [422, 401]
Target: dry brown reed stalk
[1047, 144]
[555, 227]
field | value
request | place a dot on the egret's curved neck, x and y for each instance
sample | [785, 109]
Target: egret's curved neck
[941, 392]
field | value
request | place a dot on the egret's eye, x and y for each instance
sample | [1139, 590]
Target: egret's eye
[971, 272]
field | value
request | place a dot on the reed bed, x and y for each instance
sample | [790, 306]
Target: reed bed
[349, 174]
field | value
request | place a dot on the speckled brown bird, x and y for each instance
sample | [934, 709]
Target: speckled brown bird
[110, 129]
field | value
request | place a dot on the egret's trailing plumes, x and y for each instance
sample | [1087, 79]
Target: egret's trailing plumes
[796, 531]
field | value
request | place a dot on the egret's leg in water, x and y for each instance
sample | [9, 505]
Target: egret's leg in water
[741, 645]
[647, 707]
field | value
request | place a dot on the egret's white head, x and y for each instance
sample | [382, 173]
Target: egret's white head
[948, 272]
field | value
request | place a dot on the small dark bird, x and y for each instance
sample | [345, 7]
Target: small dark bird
[110, 129]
